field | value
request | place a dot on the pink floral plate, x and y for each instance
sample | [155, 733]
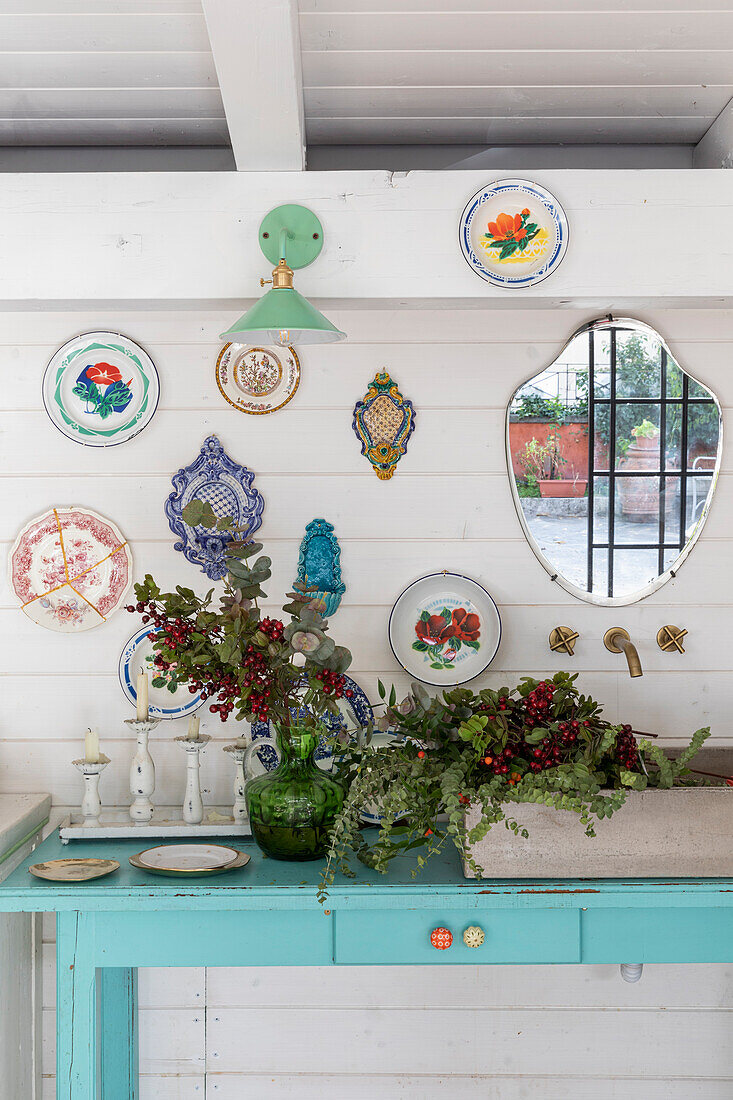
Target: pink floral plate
[444, 629]
[257, 380]
[70, 569]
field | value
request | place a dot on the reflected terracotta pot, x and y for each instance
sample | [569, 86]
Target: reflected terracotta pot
[563, 487]
[639, 496]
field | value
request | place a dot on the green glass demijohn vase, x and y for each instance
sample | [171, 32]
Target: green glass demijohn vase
[292, 808]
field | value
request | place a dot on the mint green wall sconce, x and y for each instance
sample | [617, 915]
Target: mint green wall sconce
[290, 237]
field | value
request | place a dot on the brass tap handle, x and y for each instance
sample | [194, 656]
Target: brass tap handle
[563, 639]
[670, 638]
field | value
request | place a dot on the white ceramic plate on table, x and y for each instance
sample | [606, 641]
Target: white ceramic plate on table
[189, 859]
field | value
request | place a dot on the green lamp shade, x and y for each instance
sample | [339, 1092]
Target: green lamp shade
[284, 317]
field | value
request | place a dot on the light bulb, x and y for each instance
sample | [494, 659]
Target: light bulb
[283, 337]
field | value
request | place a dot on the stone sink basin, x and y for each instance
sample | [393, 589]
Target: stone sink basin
[686, 832]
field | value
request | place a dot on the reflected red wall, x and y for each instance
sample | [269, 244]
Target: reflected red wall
[573, 443]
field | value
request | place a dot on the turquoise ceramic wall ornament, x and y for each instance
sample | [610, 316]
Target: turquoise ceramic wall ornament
[384, 420]
[319, 564]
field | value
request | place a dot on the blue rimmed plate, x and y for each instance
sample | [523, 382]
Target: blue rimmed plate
[513, 233]
[355, 712]
[165, 699]
[444, 629]
[100, 389]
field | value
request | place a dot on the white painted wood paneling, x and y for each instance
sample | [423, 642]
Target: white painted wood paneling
[487, 30]
[572, 72]
[715, 147]
[107, 74]
[523, 1033]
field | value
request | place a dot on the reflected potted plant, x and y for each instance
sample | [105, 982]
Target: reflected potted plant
[263, 669]
[542, 463]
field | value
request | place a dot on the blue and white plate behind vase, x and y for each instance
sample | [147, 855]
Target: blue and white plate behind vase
[163, 703]
[355, 712]
[513, 233]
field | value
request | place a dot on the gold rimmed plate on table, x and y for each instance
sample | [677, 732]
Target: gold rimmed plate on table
[187, 860]
[73, 870]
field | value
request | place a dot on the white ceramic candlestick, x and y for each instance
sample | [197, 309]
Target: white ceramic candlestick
[142, 772]
[193, 807]
[91, 806]
[239, 809]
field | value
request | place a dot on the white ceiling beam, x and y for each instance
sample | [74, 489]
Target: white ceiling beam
[256, 47]
[715, 147]
[152, 237]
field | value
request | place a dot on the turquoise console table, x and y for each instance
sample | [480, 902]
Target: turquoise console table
[267, 914]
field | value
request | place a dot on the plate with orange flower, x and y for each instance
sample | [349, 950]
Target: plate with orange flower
[100, 389]
[513, 233]
[444, 629]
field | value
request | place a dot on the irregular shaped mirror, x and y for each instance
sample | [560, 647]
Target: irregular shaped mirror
[613, 455]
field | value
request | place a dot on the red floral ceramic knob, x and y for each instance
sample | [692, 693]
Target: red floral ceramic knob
[441, 939]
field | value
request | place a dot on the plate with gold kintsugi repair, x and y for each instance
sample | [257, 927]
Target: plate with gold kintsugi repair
[257, 380]
[513, 233]
[69, 569]
[444, 629]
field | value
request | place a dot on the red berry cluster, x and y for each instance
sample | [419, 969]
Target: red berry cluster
[273, 628]
[333, 684]
[498, 762]
[538, 704]
[627, 750]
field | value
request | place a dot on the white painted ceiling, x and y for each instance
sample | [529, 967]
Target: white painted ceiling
[482, 72]
[514, 71]
[107, 72]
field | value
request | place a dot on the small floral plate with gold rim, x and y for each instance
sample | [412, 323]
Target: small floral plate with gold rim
[257, 380]
[73, 870]
[513, 233]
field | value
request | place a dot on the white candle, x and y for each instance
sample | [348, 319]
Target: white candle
[91, 747]
[142, 696]
[193, 728]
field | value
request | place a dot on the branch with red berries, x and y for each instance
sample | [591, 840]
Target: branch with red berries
[253, 666]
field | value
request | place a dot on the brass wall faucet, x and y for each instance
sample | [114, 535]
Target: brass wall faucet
[617, 640]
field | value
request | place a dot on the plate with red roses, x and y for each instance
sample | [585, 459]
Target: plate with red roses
[444, 629]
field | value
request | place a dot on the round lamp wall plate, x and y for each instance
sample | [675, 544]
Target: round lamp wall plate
[257, 380]
[304, 239]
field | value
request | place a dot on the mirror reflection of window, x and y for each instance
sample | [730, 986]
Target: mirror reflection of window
[613, 451]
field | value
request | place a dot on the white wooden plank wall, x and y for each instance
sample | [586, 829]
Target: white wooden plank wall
[554, 1033]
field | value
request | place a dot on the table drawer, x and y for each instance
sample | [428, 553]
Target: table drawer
[281, 937]
[510, 936]
[691, 934]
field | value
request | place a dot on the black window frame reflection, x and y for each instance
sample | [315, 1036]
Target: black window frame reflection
[670, 535]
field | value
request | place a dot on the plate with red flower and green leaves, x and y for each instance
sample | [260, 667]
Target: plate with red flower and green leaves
[444, 629]
[513, 233]
[100, 389]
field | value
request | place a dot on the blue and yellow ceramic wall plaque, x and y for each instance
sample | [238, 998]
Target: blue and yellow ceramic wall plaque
[384, 420]
[319, 564]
